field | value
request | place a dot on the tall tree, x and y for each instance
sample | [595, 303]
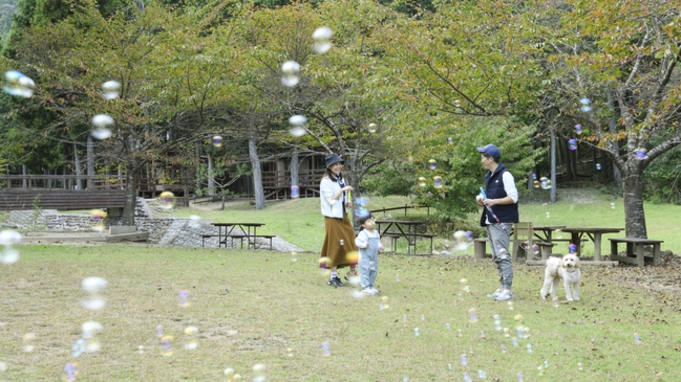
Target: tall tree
[168, 81]
[618, 61]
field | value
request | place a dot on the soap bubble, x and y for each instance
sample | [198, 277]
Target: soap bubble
[101, 134]
[572, 144]
[578, 128]
[438, 181]
[641, 153]
[71, 370]
[98, 217]
[291, 70]
[184, 298]
[585, 104]
[18, 84]
[28, 338]
[572, 248]
[352, 257]
[322, 37]
[94, 284]
[111, 89]
[102, 120]
[432, 163]
[9, 256]
[372, 127]
[190, 331]
[325, 263]
[295, 191]
[326, 349]
[167, 345]
[9, 237]
[360, 209]
[217, 141]
[297, 122]
[167, 200]
[598, 166]
[535, 184]
[612, 205]
[422, 181]
[94, 303]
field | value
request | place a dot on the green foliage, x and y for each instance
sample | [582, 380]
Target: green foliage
[662, 179]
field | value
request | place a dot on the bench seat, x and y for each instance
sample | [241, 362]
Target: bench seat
[634, 254]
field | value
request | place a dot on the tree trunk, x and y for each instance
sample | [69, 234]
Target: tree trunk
[90, 163]
[294, 168]
[211, 183]
[128, 218]
[568, 166]
[198, 165]
[553, 166]
[257, 175]
[24, 181]
[76, 160]
[222, 207]
[634, 217]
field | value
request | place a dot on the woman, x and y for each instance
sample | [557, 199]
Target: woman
[340, 236]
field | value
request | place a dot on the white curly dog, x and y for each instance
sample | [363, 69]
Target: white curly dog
[566, 268]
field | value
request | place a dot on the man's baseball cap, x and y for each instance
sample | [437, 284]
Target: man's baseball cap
[490, 150]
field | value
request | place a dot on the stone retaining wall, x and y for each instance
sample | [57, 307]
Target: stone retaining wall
[166, 231]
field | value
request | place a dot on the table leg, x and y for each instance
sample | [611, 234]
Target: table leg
[597, 246]
[576, 241]
[613, 249]
[255, 235]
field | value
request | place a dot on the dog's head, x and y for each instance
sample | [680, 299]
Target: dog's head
[570, 262]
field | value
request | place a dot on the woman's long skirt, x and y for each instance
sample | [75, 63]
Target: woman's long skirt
[339, 241]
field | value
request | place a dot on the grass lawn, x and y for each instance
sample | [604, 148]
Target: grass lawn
[298, 221]
[252, 307]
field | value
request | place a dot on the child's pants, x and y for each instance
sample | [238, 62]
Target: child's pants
[368, 263]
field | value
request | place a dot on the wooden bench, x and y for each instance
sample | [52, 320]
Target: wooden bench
[480, 248]
[394, 236]
[634, 254]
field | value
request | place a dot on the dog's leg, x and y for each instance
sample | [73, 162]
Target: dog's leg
[547, 285]
[568, 293]
[575, 290]
[554, 286]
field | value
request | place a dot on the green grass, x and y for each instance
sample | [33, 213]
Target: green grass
[250, 307]
[298, 221]
[662, 220]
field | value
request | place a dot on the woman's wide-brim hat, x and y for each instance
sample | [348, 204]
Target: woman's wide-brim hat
[332, 159]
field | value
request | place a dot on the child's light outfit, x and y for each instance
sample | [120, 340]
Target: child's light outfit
[368, 259]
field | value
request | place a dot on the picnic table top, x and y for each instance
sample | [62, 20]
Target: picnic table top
[592, 230]
[240, 224]
[406, 222]
[635, 240]
[547, 227]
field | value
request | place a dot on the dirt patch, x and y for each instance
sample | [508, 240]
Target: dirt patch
[665, 280]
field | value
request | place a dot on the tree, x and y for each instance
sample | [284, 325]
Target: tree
[167, 68]
[341, 92]
[618, 61]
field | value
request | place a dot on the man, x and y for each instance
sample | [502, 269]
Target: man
[501, 210]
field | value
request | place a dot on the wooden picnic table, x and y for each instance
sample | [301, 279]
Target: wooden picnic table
[245, 228]
[411, 228]
[546, 232]
[594, 234]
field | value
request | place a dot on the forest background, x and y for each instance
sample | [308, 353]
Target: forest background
[437, 79]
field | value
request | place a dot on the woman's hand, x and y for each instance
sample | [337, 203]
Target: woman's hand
[347, 188]
[348, 204]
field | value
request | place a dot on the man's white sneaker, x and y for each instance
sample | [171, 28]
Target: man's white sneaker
[495, 293]
[504, 296]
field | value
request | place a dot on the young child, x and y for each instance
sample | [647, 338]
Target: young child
[369, 243]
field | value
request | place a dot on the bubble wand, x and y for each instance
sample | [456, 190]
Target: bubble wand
[484, 197]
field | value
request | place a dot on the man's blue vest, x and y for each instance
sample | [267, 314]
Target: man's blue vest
[494, 188]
